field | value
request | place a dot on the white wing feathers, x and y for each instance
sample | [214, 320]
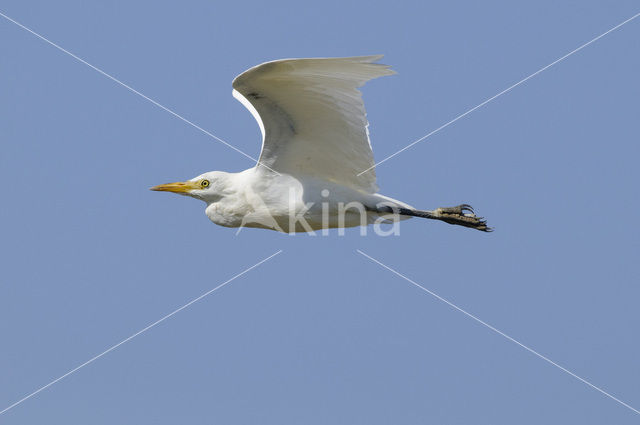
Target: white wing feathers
[312, 116]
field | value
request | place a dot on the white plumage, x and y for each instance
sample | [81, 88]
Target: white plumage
[315, 145]
[312, 116]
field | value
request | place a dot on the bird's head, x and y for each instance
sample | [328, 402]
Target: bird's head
[208, 187]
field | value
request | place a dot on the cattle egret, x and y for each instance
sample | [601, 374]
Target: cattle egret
[315, 147]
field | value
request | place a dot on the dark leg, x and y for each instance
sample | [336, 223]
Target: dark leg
[462, 215]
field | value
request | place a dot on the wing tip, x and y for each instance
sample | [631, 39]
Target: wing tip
[372, 59]
[375, 70]
[366, 58]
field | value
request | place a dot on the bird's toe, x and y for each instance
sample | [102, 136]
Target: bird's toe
[466, 208]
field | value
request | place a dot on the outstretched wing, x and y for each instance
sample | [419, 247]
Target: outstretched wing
[312, 116]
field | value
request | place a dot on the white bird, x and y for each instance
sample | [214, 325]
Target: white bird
[315, 147]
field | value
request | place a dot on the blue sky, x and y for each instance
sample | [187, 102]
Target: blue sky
[320, 334]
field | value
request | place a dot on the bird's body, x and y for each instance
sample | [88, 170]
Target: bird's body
[316, 169]
[260, 198]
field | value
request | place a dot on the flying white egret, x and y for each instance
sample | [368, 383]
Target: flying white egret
[315, 146]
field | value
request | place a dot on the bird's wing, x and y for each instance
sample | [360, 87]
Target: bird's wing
[312, 116]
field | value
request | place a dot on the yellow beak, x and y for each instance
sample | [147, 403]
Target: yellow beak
[179, 187]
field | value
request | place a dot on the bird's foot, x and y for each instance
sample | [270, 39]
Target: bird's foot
[462, 215]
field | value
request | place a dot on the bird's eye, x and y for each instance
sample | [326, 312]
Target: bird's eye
[204, 183]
